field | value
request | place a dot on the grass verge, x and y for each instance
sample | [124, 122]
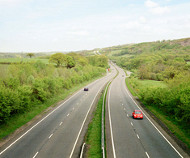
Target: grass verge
[172, 125]
[174, 128]
[131, 89]
[19, 120]
[93, 137]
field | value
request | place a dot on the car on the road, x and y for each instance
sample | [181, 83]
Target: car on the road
[137, 114]
[85, 89]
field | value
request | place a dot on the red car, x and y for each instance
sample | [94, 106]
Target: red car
[137, 114]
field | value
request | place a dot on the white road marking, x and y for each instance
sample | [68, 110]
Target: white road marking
[73, 108]
[35, 155]
[113, 146]
[60, 124]
[154, 125]
[81, 154]
[124, 109]
[47, 116]
[147, 155]
[131, 123]
[127, 115]
[138, 136]
[67, 114]
[50, 136]
[83, 124]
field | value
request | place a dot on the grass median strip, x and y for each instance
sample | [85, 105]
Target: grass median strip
[93, 137]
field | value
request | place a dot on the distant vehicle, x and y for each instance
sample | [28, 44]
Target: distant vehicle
[137, 114]
[85, 89]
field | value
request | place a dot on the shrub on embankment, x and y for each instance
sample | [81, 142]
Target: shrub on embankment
[30, 84]
[173, 99]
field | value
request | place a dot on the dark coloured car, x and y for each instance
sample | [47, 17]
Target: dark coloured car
[85, 89]
[137, 114]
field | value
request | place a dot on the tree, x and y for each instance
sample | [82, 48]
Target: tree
[30, 55]
[70, 62]
[59, 59]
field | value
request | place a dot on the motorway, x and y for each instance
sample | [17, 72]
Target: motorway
[131, 138]
[59, 133]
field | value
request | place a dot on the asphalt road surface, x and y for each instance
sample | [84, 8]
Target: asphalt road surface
[132, 138]
[57, 135]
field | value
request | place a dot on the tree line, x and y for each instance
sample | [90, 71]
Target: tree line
[30, 84]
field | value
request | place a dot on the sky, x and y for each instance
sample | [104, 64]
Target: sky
[71, 25]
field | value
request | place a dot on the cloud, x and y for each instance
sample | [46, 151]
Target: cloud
[155, 8]
[79, 33]
[151, 4]
[10, 2]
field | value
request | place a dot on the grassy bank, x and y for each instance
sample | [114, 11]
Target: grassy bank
[136, 86]
[19, 120]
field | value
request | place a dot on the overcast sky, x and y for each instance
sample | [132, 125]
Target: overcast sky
[68, 25]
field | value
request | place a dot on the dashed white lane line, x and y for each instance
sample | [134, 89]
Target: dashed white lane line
[138, 136]
[60, 123]
[50, 136]
[154, 125]
[35, 155]
[131, 123]
[127, 115]
[67, 114]
[147, 155]
[47, 116]
[83, 124]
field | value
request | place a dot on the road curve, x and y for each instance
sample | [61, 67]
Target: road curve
[58, 134]
[128, 137]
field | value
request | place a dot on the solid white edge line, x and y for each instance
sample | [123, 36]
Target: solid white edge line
[35, 155]
[147, 155]
[83, 124]
[154, 125]
[113, 146]
[50, 136]
[81, 154]
[47, 116]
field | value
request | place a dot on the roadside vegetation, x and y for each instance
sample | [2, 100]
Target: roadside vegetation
[160, 78]
[26, 89]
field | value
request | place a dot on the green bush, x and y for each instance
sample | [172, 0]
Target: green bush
[30, 84]
[9, 103]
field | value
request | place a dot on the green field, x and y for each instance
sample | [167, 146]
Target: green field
[151, 83]
[18, 60]
[188, 62]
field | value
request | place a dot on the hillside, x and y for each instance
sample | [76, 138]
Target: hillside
[160, 78]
